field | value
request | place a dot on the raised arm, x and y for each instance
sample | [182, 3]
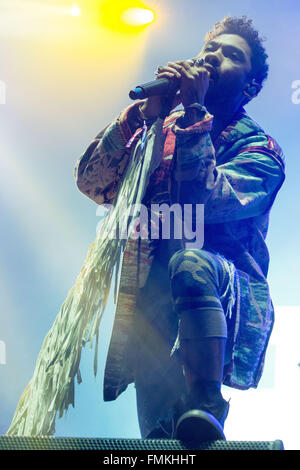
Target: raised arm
[99, 171]
[244, 186]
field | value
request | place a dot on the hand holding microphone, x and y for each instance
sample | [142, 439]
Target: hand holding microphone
[187, 76]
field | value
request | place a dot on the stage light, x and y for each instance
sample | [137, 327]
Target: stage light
[137, 16]
[75, 10]
[125, 16]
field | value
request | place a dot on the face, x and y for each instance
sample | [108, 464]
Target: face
[228, 59]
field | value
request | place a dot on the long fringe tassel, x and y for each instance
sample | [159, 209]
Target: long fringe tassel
[51, 389]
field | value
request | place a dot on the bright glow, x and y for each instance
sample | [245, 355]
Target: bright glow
[75, 11]
[137, 16]
[125, 16]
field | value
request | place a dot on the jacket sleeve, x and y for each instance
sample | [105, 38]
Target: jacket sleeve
[99, 171]
[243, 187]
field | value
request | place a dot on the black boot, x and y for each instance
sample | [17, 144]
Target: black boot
[204, 416]
[204, 408]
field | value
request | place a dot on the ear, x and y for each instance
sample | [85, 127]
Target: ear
[252, 89]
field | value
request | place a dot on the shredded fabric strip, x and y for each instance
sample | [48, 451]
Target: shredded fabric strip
[51, 388]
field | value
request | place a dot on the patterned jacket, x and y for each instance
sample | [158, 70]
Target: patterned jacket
[246, 171]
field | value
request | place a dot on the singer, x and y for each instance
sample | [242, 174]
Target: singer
[187, 321]
[216, 300]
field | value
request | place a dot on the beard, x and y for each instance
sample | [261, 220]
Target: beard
[222, 92]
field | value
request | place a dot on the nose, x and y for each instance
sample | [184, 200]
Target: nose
[213, 58]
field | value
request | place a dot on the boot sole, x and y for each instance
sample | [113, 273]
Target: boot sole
[199, 426]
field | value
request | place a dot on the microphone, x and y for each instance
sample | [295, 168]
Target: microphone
[160, 86]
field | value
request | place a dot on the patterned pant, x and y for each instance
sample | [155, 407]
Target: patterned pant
[202, 285]
[208, 282]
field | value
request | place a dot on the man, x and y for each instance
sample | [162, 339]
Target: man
[188, 319]
[215, 300]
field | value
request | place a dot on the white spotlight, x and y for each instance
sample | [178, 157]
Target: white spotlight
[137, 16]
[75, 10]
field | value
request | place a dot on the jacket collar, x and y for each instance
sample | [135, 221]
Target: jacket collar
[241, 126]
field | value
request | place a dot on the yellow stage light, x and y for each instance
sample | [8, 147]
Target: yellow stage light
[137, 16]
[125, 16]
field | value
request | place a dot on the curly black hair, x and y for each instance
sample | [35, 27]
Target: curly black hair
[243, 27]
